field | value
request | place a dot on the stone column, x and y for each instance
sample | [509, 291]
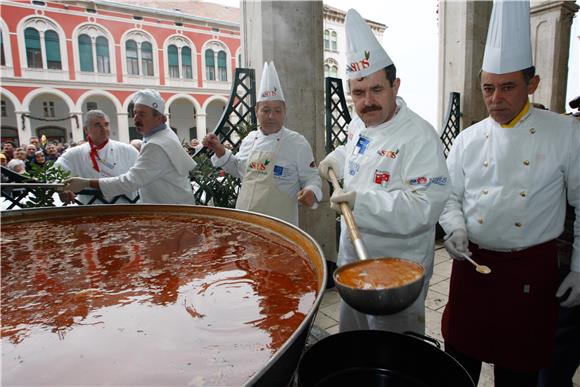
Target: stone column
[290, 34]
[76, 126]
[463, 32]
[123, 125]
[24, 131]
[551, 22]
[200, 125]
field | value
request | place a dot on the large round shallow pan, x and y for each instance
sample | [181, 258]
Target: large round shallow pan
[155, 295]
[379, 358]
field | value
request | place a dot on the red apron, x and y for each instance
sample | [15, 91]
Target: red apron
[507, 317]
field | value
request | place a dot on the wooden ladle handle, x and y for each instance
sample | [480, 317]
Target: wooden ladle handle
[349, 220]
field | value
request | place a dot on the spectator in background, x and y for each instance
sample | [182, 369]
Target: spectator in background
[20, 154]
[17, 166]
[39, 159]
[51, 152]
[3, 160]
[34, 141]
[8, 150]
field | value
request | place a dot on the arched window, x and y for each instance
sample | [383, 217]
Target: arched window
[33, 51]
[326, 39]
[334, 41]
[173, 61]
[209, 65]
[52, 50]
[86, 53]
[326, 70]
[103, 60]
[334, 71]
[132, 57]
[147, 58]
[222, 66]
[186, 63]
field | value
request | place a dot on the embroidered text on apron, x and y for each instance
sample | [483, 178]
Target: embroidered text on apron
[259, 191]
[507, 317]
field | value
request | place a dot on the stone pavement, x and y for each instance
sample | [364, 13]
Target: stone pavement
[326, 321]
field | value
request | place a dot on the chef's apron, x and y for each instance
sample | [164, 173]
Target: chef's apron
[259, 191]
[507, 317]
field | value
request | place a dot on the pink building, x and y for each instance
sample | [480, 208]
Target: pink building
[62, 58]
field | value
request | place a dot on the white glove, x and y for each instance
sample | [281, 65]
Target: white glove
[572, 282]
[76, 184]
[457, 244]
[340, 196]
[328, 162]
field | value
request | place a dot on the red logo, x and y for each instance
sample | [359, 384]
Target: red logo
[382, 177]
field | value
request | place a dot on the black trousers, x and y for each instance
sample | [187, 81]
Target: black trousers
[503, 376]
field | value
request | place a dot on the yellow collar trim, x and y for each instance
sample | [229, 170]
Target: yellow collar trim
[517, 118]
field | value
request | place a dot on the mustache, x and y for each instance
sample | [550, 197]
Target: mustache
[372, 108]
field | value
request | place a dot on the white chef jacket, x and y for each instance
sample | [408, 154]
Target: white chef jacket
[401, 181]
[115, 158]
[509, 184]
[161, 172]
[294, 167]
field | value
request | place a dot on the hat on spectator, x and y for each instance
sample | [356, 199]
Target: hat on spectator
[151, 98]
[508, 47]
[364, 53]
[270, 89]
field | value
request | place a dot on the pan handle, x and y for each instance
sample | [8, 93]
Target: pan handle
[433, 341]
[349, 220]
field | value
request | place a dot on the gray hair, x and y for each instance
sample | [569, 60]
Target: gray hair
[14, 164]
[91, 115]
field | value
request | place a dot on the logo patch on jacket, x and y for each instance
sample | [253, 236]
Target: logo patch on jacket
[382, 177]
[258, 166]
[278, 170]
[388, 153]
[361, 145]
[353, 167]
[439, 180]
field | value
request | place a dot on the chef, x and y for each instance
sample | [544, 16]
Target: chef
[161, 172]
[395, 177]
[276, 164]
[98, 157]
[510, 175]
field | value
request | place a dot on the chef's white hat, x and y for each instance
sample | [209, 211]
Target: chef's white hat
[364, 53]
[151, 98]
[508, 47]
[270, 89]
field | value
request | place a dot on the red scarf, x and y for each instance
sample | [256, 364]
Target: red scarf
[94, 155]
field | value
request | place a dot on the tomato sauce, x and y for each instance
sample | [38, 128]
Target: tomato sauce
[147, 300]
[380, 273]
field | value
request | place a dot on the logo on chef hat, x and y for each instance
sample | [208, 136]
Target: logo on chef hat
[359, 64]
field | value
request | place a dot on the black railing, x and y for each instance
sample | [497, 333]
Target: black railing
[451, 128]
[337, 114]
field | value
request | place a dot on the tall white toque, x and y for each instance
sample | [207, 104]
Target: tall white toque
[151, 98]
[270, 89]
[364, 53]
[508, 47]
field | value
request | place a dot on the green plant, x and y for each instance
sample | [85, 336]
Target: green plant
[48, 173]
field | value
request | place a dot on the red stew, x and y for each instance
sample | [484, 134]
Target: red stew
[147, 300]
[380, 273]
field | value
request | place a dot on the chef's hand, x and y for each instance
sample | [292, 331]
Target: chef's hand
[457, 244]
[212, 142]
[306, 197]
[341, 196]
[76, 184]
[328, 162]
[67, 196]
[572, 282]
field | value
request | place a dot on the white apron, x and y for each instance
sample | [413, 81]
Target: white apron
[259, 191]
